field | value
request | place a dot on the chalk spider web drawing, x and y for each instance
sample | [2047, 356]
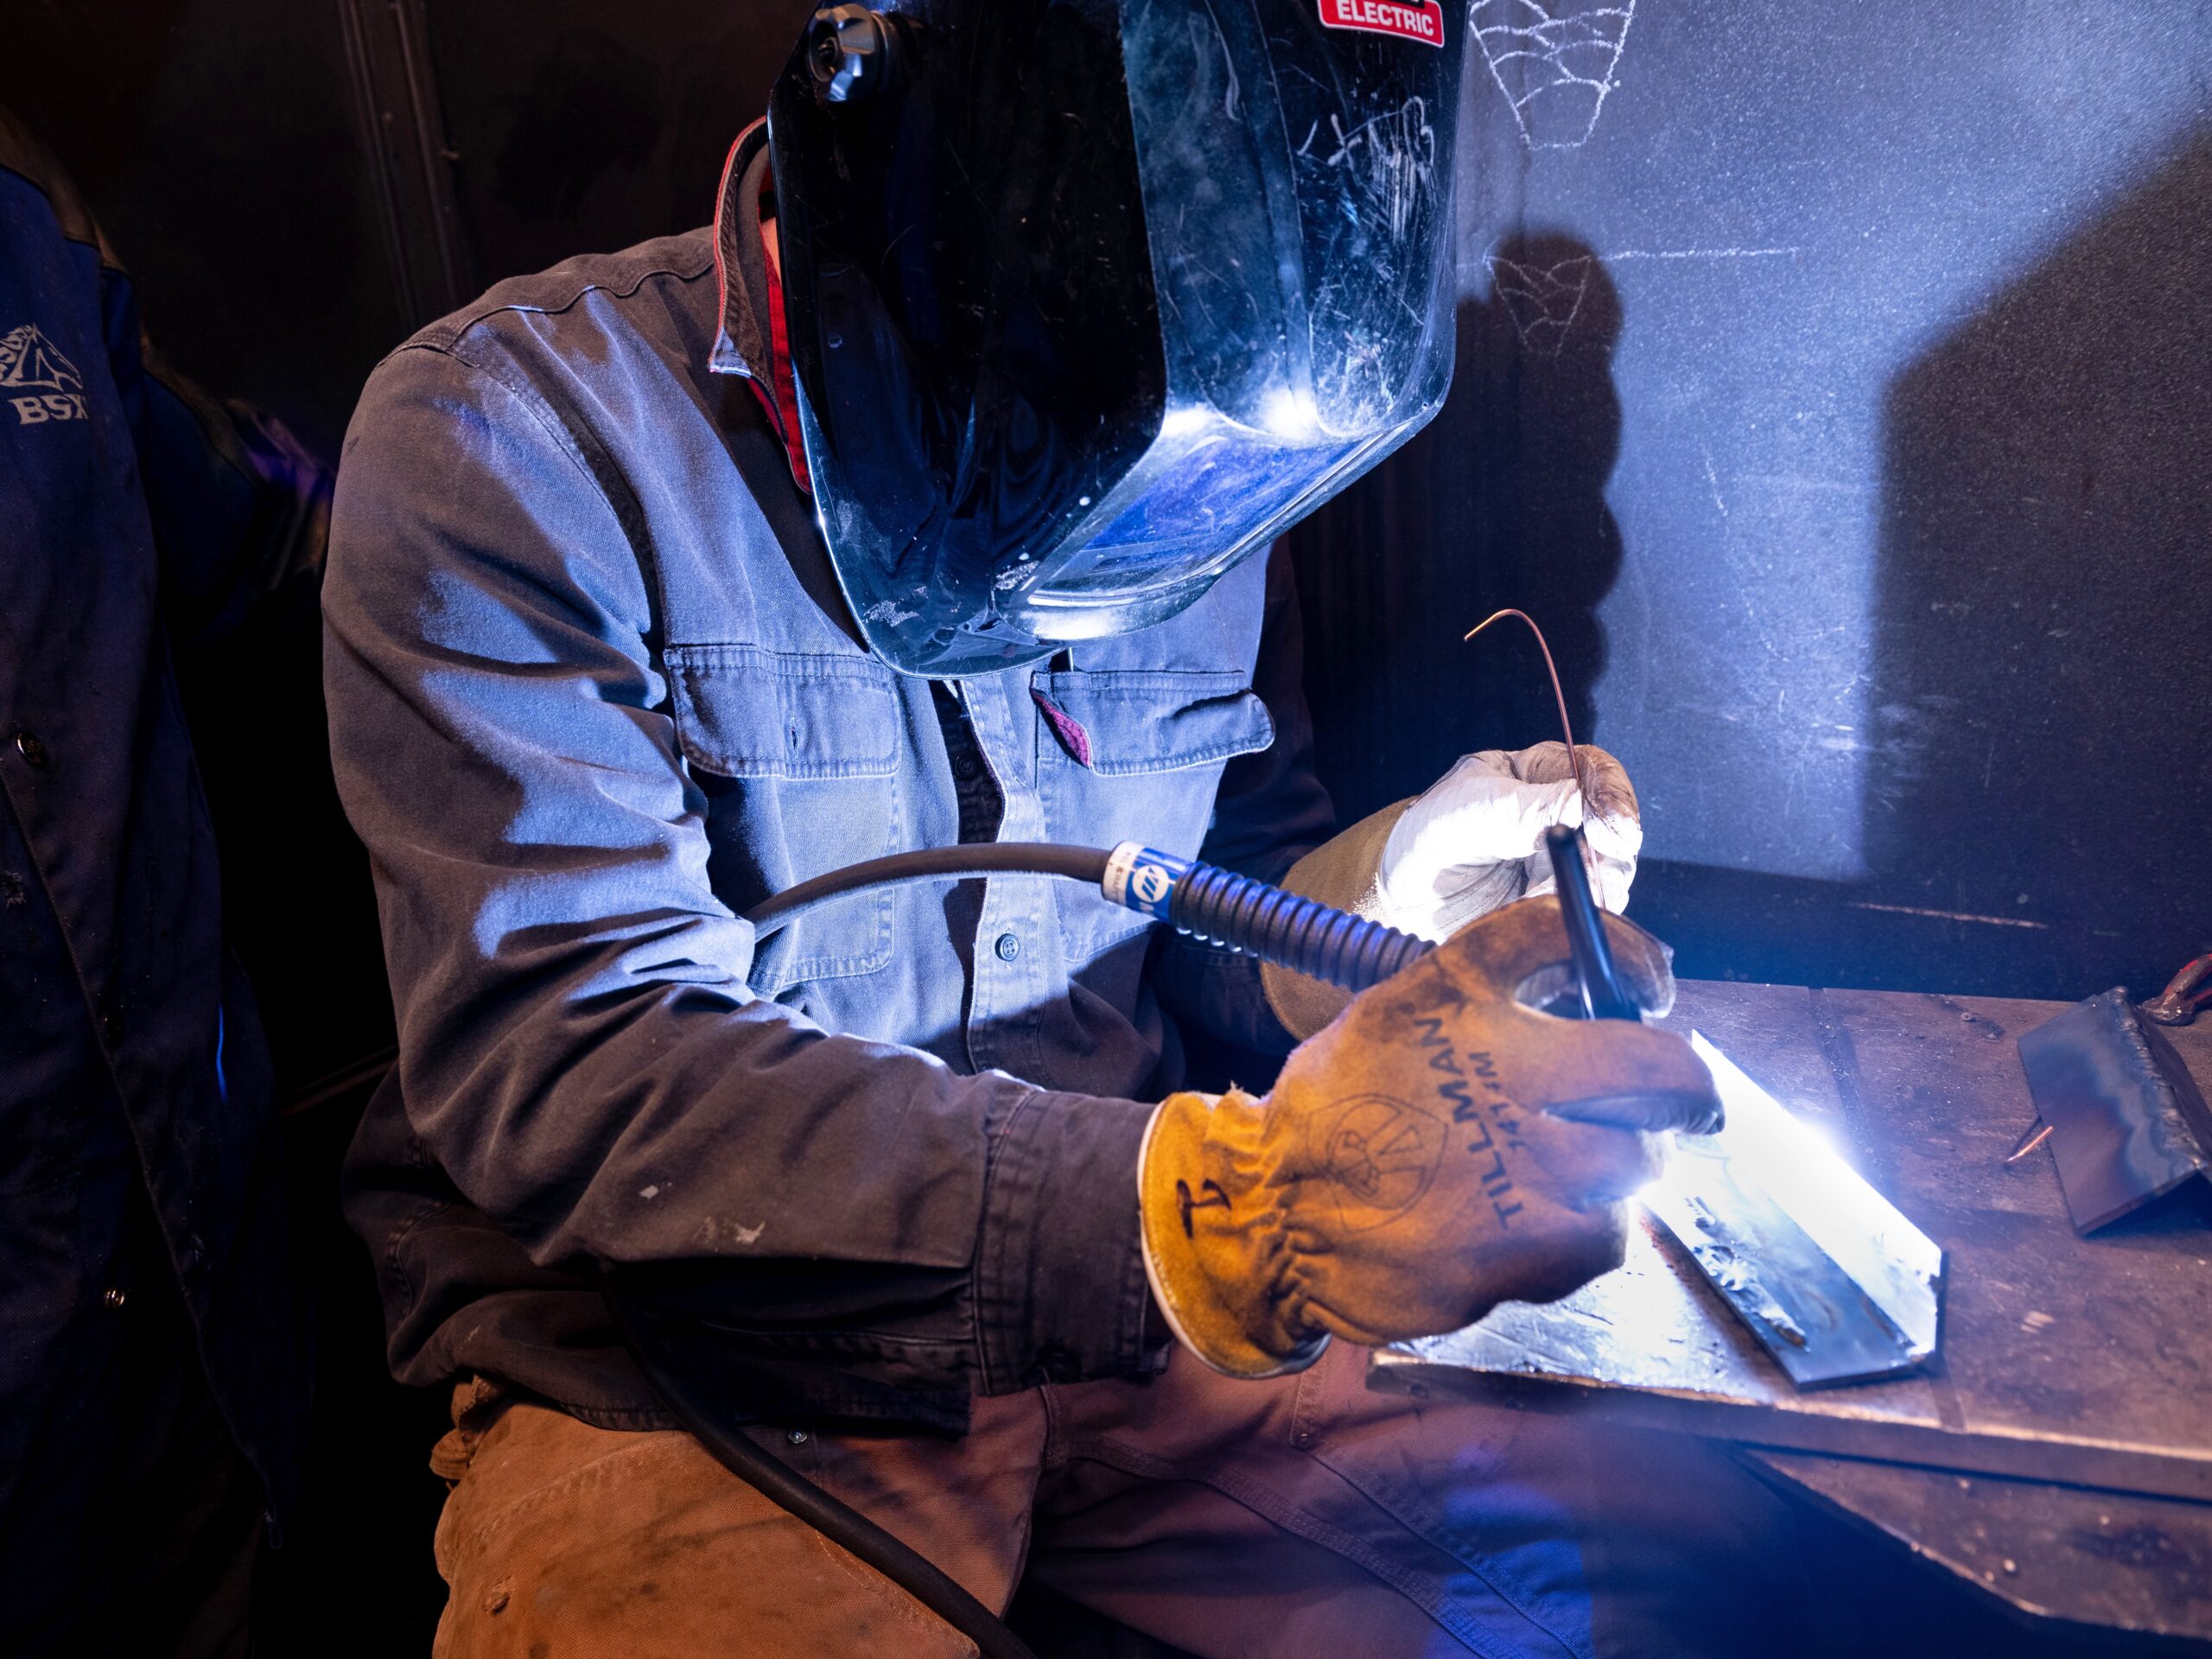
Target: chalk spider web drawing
[1542, 300]
[1561, 55]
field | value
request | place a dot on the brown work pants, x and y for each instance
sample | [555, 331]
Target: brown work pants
[1305, 1516]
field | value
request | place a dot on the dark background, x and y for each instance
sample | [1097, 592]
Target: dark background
[297, 185]
[1833, 387]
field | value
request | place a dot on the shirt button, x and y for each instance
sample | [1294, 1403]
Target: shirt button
[964, 768]
[31, 749]
[114, 1296]
[1007, 948]
[796, 1436]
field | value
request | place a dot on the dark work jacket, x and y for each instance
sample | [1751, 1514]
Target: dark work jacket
[135, 518]
[593, 697]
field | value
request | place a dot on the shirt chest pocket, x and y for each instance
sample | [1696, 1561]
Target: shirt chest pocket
[1129, 754]
[798, 758]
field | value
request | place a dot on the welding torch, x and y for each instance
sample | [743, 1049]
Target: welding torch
[1603, 997]
[1232, 910]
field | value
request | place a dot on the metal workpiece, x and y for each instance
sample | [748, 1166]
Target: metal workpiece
[2127, 1123]
[2063, 1359]
[1834, 1281]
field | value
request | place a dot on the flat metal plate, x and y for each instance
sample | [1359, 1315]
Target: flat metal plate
[1827, 1275]
[2065, 1359]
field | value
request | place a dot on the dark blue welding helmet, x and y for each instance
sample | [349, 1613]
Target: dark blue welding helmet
[1088, 300]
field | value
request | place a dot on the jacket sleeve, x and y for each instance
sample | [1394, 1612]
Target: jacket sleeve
[579, 1050]
[1270, 812]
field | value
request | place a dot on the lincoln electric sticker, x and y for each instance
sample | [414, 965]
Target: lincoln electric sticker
[1423, 22]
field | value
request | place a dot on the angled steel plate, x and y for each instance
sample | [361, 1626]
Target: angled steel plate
[1835, 1284]
[2128, 1121]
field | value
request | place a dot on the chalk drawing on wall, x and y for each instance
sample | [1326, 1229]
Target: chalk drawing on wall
[1555, 62]
[1542, 300]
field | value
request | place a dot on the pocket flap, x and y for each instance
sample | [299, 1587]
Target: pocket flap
[1146, 720]
[742, 712]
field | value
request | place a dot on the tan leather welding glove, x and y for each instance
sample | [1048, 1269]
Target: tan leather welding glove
[1442, 1146]
[1471, 842]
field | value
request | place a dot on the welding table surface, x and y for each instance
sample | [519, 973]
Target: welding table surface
[2054, 1345]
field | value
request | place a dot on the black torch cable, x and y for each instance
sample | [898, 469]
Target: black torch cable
[832, 1518]
[929, 864]
[1233, 912]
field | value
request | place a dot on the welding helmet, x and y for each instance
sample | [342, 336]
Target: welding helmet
[1088, 300]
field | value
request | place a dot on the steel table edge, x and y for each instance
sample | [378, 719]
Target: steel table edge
[2110, 1464]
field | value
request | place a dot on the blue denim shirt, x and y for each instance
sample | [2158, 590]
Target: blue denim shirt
[138, 1129]
[594, 696]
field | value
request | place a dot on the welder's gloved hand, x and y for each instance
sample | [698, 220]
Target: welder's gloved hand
[1442, 1146]
[1474, 840]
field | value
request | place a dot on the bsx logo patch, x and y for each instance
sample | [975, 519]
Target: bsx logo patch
[38, 382]
[1423, 21]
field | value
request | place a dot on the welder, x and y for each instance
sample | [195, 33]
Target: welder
[925, 499]
[153, 1358]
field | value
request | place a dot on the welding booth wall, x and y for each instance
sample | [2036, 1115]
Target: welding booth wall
[1832, 385]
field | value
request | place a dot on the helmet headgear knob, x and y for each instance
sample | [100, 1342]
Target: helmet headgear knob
[853, 53]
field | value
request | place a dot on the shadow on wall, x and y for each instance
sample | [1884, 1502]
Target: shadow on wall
[2042, 656]
[1500, 502]
[2039, 770]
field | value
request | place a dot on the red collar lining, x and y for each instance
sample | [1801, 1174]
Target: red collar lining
[783, 399]
[778, 390]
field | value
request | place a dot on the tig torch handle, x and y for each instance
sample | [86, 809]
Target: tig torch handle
[1243, 914]
[1601, 995]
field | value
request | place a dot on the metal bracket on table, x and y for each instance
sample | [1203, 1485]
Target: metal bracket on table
[2125, 1121]
[2185, 994]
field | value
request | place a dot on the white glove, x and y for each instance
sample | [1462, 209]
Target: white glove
[1474, 841]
